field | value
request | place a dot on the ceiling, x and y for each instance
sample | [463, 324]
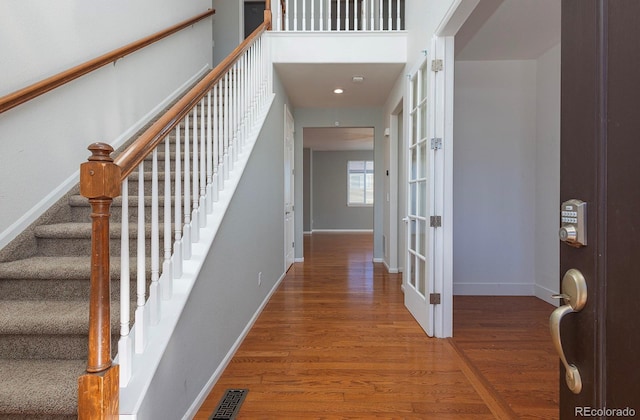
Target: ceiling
[509, 30]
[495, 30]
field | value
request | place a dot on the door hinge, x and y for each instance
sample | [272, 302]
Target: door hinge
[435, 221]
[436, 65]
[436, 143]
[293, 244]
[293, 208]
[434, 298]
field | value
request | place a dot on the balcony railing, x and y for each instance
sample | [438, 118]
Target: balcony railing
[339, 15]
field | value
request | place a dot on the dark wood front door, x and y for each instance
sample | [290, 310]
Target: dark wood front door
[600, 164]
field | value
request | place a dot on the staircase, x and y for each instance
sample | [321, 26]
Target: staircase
[44, 311]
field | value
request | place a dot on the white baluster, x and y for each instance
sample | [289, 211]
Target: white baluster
[167, 269]
[355, 15]
[381, 18]
[346, 16]
[203, 162]
[124, 344]
[304, 15]
[321, 14]
[141, 287]
[295, 15]
[372, 13]
[398, 21]
[216, 137]
[227, 116]
[177, 245]
[195, 220]
[154, 292]
[338, 12]
[329, 16]
[313, 15]
[186, 233]
[210, 189]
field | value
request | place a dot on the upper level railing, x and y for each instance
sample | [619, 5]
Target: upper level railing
[23, 95]
[339, 15]
[178, 166]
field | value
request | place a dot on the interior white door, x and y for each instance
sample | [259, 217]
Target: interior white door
[289, 219]
[417, 274]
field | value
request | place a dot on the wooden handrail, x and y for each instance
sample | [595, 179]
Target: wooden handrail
[100, 181]
[23, 95]
[130, 158]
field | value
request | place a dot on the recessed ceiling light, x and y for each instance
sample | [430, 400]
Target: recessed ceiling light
[338, 91]
[358, 79]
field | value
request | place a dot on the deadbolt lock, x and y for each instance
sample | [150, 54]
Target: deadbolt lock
[573, 230]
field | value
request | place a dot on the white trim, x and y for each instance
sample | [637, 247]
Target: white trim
[544, 293]
[43, 205]
[493, 289]
[146, 364]
[307, 232]
[389, 269]
[342, 230]
[378, 260]
[299, 260]
[195, 406]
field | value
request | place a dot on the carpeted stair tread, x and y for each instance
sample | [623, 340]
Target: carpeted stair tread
[53, 268]
[44, 317]
[39, 388]
[82, 230]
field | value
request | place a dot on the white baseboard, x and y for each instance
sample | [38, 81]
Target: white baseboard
[193, 409]
[389, 269]
[545, 294]
[493, 289]
[342, 231]
[298, 259]
[43, 205]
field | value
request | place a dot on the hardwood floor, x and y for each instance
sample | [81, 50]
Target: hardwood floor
[336, 342]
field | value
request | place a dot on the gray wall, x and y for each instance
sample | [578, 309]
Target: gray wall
[346, 117]
[226, 294]
[308, 190]
[227, 27]
[330, 209]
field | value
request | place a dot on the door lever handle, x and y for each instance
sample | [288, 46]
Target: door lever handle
[574, 293]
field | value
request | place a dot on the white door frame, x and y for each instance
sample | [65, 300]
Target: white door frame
[289, 189]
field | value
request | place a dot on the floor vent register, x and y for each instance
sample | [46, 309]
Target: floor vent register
[229, 404]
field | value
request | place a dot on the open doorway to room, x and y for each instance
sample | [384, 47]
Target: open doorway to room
[253, 15]
[506, 177]
[338, 187]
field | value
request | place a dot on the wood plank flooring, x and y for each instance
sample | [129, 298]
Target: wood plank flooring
[336, 342]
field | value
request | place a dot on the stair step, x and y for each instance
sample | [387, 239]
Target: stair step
[74, 238]
[47, 329]
[39, 389]
[58, 278]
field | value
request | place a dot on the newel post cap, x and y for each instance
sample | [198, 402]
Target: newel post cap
[100, 177]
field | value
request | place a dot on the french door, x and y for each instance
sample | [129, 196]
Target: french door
[289, 214]
[418, 271]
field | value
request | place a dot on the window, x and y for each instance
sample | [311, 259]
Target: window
[360, 183]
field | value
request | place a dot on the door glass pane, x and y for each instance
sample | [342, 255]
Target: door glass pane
[423, 120]
[422, 171]
[414, 92]
[414, 127]
[412, 235]
[423, 238]
[414, 164]
[412, 270]
[421, 277]
[424, 76]
[419, 239]
[422, 199]
[413, 198]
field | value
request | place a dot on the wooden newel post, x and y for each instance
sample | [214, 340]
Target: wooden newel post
[267, 14]
[100, 183]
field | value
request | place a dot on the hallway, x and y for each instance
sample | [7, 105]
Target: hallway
[335, 341]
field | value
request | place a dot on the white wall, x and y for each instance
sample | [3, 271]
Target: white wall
[226, 295]
[547, 253]
[43, 142]
[494, 177]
